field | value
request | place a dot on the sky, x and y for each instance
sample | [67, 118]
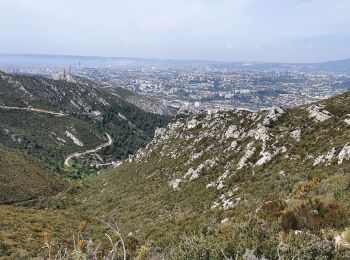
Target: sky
[222, 30]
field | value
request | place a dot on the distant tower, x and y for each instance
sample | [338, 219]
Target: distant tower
[64, 73]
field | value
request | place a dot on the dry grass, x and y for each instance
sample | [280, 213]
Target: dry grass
[23, 178]
[21, 229]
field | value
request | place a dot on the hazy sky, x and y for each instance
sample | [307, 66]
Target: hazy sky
[234, 30]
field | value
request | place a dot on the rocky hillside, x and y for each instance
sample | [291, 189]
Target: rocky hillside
[279, 174]
[52, 119]
[70, 94]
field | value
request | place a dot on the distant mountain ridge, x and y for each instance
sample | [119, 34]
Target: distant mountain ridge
[338, 65]
[95, 61]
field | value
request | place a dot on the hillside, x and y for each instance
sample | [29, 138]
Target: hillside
[52, 119]
[232, 184]
[275, 182]
[67, 93]
[23, 178]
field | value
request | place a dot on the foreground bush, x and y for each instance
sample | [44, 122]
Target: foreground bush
[315, 215]
[255, 240]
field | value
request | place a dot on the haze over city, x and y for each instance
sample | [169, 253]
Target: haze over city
[245, 30]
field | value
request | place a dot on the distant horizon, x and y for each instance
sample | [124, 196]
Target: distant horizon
[163, 59]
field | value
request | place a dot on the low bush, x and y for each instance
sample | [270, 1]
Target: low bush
[4, 249]
[314, 216]
[271, 210]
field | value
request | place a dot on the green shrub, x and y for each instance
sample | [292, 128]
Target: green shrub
[4, 249]
[304, 245]
[271, 210]
[143, 253]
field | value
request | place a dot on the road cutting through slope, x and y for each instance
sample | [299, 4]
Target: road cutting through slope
[31, 109]
[78, 154]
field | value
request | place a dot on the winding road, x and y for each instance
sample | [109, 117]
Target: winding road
[78, 154]
[31, 109]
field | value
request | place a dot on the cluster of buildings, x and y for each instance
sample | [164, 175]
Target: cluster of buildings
[207, 88]
[224, 89]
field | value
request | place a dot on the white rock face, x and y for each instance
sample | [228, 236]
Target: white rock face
[189, 172]
[221, 179]
[192, 124]
[215, 205]
[16, 139]
[226, 201]
[122, 116]
[273, 115]
[234, 145]
[174, 184]
[266, 157]
[317, 115]
[225, 220]
[347, 120]
[96, 113]
[75, 140]
[296, 134]
[325, 157]
[249, 152]
[230, 133]
[194, 174]
[194, 157]
[260, 133]
[282, 173]
[74, 104]
[24, 90]
[61, 140]
[344, 154]
[148, 104]
[230, 203]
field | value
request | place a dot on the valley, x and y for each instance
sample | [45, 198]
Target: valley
[74, 115]
[187, 186]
